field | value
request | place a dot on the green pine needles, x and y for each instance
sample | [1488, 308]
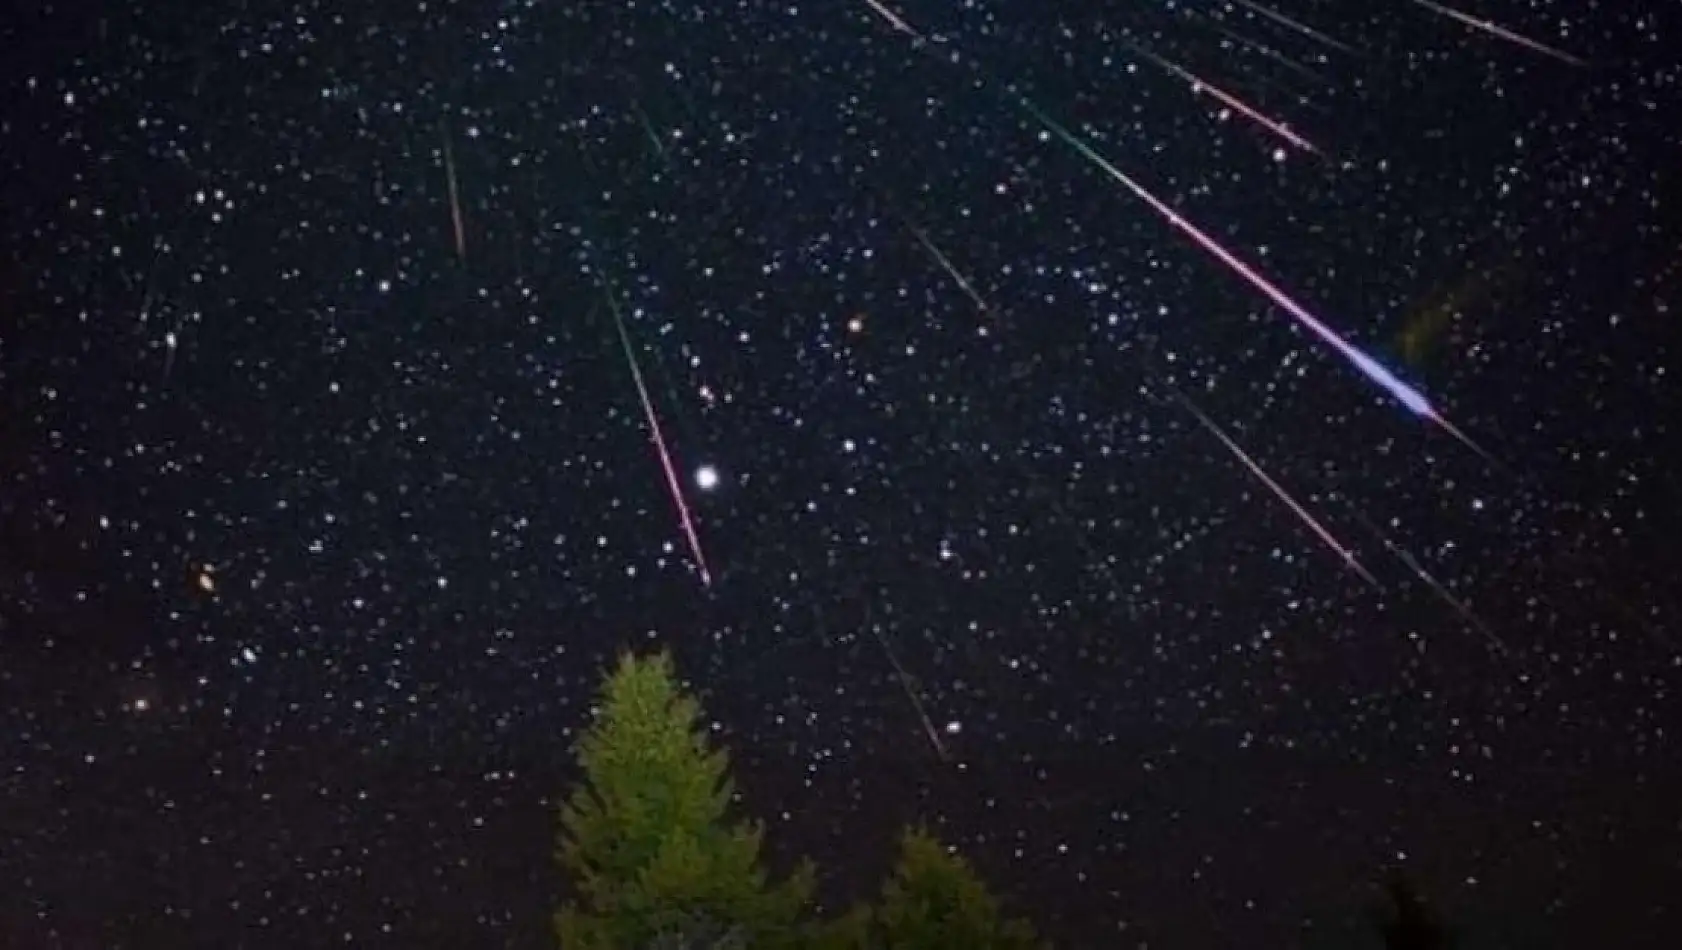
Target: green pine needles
[934, 901]
[646, 840]
[655, 861]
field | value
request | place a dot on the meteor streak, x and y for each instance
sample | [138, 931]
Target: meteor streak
[1438, 587]
[1369, 367]
[1199, 84]
[673, 484]
[1296, 25]
[1325, 536]
[1497, 30]
[653, 136]
[893, 18]
[1260, 48]
[957, 277]
[455, 197]
[907, 684]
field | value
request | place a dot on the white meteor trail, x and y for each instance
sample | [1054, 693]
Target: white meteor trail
[950, 268]
[1437, 587]
[1342, 550]
[910, 688]
[1496, 30]
[1296, 25]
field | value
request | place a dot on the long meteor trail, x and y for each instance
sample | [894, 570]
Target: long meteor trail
[659, 439]
[1497, 30]
[1326, 537]
[1369, 367]
[1409, 397]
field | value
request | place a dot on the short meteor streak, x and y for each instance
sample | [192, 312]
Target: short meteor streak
[1438, 587]
[455, 196]
[672, 482]
[1296, 25]
[1199, 84]
[1371, 368]
[893, 18]
[653, 136]
[949, 267]
[1261, 48]
[1325, 536]
[910, 688]
[1497, 30]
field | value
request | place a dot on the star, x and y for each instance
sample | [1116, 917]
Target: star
[706, 478]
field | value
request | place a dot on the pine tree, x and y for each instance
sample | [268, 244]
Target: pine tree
[1408, 923]
[934, 901]
[646, 841]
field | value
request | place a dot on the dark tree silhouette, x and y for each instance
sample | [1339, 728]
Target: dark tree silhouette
[1406, 921]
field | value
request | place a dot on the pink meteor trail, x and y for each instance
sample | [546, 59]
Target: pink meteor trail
[1199, 84]
[1369, 367]
[659, 440]
[1497, 30]
[1325, 536]
[455, 195]
[893, 18]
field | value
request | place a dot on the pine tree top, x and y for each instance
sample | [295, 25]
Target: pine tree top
[647, 837]
[935, 901]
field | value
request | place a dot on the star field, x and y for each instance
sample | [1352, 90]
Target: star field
[372, 374]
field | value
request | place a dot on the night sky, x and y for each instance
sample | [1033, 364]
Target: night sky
[331, 336]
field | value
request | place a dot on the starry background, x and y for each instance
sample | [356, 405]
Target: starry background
[318, 528]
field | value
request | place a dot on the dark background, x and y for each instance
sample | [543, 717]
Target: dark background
[300, 612]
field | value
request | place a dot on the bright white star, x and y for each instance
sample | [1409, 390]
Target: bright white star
[706, 478]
